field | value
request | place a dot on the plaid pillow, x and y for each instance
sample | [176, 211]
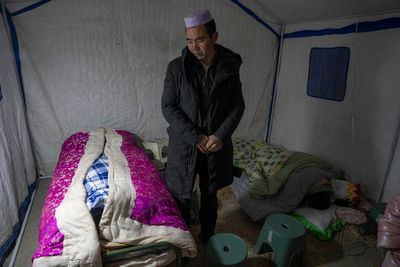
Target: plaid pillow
[96, 183]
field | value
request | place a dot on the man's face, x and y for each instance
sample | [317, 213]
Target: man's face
[199, 42]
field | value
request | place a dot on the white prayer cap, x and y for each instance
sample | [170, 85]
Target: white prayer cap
[197, 18]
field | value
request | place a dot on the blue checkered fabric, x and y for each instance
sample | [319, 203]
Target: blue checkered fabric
[96, 183]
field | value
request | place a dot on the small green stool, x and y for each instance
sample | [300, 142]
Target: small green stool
[285, 235]
[226, 249]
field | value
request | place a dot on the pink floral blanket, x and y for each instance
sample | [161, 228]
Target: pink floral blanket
[139, 209]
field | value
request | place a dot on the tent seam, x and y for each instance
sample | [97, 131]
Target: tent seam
[366, 26]
[255, 16]
[29, 8]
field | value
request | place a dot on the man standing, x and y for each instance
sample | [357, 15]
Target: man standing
[203, 104]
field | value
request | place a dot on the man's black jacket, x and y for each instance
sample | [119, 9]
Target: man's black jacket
[180, 105]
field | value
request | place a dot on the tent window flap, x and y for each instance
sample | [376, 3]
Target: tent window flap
[327, 73]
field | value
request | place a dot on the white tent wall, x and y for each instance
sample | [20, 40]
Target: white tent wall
[391, 186]
[356, 135]
[89, 64]
[290, 11]
[17, 167]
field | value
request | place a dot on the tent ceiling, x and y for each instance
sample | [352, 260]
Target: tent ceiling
[290, 11]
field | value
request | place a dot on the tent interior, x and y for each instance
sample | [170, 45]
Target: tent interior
[70, 65]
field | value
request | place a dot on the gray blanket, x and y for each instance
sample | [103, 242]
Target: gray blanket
[286, 200]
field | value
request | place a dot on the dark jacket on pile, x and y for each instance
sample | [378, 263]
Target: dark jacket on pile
[183, 107]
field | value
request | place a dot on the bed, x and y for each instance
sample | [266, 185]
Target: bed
[139, 212]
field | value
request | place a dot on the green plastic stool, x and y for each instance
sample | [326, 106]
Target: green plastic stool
[226, 249]
[285, 235]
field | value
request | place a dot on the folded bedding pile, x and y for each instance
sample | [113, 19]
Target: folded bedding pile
[275, 180]
[285, 201]
[106, 173]
[268, 167]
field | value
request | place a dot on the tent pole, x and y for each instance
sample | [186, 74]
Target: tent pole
[274, 86]
[28, 128]
[23, 226]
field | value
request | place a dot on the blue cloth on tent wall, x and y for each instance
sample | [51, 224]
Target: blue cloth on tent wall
[327, 73]
[96, 184]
